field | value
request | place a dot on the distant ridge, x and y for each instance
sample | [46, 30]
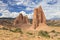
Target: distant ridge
[55, 19]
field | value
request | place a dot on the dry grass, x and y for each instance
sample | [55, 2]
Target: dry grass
[18, 34]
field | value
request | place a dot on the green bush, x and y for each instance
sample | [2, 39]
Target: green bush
[29, 33]
[17, 30]
[43, 33]
[5, 28]
[12, 30]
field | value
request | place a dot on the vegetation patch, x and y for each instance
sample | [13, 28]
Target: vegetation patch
[17, 30]
[43, 33]
[29, 33]
[3, 28]
[53, 31]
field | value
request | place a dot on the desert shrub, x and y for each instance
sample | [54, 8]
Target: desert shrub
[12, 30]
[43, 33]
[17, 30]
[29, 33]
[53, 31]
[5, 28]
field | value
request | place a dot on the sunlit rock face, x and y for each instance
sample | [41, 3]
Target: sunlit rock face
[35, 18]
[38, 17]
[43, 18]
[18, 19]
[21, 20]
[25, 20]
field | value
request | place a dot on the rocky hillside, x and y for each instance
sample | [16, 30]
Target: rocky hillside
[53, 23]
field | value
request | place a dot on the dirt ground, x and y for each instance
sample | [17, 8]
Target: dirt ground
[30, 34]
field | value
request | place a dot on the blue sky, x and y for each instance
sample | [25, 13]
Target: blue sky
[12, 8]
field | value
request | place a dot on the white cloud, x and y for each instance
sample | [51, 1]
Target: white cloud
[14, 14]
[8, 14]
[57, 14]
[24, 13]
[3, 5]
[19, 2]
[28, 8]
[52, 14]
[28, 3]
[30, 16]
[5, 13]
[49, 10]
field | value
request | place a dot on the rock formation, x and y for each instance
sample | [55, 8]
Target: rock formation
[43, 18]
[21, 20]
[18, 19]
[25, 20]
[38, 17]
[35, 18]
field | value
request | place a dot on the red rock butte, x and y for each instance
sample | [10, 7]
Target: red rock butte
[38, 17]
[37, 22]
[21, 20]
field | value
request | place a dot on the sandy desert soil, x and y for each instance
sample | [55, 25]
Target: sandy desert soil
[48, 33]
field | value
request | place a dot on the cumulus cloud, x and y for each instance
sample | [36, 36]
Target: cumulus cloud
[49, 10]
[29, 3]
[24, 13]
[30, 16]
[8, 14]
[52, 2]
[56, 15]
[52, 14]
[3, 5]
[29, 8]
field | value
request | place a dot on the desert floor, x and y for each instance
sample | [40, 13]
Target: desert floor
[48, 33]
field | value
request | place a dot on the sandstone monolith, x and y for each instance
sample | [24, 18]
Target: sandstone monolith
[35, 18]
[21, 20]
[18, 19]
[43, 18]
[38, 17]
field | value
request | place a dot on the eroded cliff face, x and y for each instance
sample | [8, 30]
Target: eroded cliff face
[18, 19]
[26, 20]
[21, 20]
[35, 18]
[43, 18]
[38, 17]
